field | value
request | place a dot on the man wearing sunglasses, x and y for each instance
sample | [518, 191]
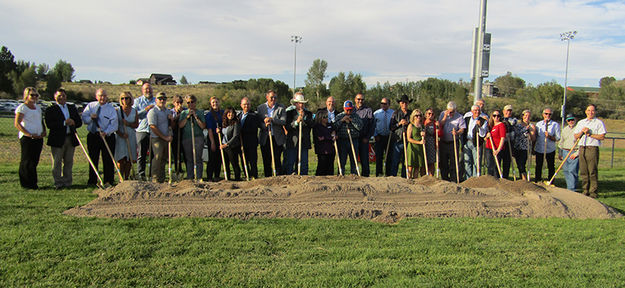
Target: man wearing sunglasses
[547, 134]
[366, 115]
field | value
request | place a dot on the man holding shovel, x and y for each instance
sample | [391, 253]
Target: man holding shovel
[348, 125]
[101, 120]
[547, 133]
[570, 168]
[592, 131]
[299, 124]
[159, 120]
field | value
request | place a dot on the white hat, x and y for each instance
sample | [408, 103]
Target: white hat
[299, 98]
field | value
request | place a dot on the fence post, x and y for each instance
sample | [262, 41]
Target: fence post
[612, 158]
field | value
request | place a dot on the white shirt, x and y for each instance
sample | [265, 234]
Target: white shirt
[596, 126]
[31, 121]
[65, 111]
[553, 129]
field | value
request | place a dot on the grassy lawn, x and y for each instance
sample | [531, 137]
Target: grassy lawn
[42, 247]
[39, 246]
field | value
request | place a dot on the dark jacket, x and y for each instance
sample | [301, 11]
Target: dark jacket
[55, 121]
[396, 129]
[292, 128]
[249, 129]
[233, 136]
[322, 137]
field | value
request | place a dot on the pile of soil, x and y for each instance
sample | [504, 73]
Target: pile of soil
[384, 199]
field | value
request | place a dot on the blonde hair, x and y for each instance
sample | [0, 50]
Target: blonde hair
[413, 116]
[27, 91]
[128, 94]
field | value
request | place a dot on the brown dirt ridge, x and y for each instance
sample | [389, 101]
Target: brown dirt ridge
[383, 199]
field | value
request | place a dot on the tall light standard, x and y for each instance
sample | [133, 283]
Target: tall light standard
[566, 36]
[295, 39]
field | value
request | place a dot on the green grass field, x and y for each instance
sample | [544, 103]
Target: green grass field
[39, 246]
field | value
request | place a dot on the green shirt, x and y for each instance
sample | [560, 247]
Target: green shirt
[186, 130]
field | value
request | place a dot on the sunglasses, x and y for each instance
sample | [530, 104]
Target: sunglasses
[546, 113]
[382, 103]
[359, 99]
[570, 120]
[34, 95]
[190, 102]
[496, 115]
[125, 98]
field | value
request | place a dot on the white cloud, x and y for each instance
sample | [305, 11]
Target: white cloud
[384, 40]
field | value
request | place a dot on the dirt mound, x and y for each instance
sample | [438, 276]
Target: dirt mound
[387, 199]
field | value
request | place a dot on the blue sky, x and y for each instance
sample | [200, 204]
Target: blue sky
[383, 40]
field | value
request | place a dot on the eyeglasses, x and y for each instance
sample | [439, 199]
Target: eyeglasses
[546, 113]
[359, 99]
[190, 102]
[382, 103]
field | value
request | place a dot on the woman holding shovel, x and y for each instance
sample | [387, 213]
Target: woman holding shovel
[416, 135]
[126, 140]
[230, 143]
[192, 123]
[525, 134]
[430, 127]
[495, 143]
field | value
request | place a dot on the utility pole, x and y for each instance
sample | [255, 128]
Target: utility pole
[295, 39]
[479, 50]
[566, 36]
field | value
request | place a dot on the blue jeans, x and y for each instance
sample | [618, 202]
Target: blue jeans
[290, 161]
[470, 157]
[570, 169]
[397, 152]
[344, 150]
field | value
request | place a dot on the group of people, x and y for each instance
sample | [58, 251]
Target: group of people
[144, 130]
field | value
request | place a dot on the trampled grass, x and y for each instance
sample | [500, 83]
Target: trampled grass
[42, 247]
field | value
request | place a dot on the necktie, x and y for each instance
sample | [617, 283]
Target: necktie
[93, 127]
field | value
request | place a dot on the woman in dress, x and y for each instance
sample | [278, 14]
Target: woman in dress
[431, 129]
[29, 122]
[126, 140]
[525, 134]
[231, 142]
[416, 134]
[497, 136]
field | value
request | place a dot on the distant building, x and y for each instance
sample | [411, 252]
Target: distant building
[590, 91]
[207, 82]
[85, 81]
[162, 79]
[489, 90]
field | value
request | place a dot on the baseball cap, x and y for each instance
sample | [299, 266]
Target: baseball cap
[348, 105]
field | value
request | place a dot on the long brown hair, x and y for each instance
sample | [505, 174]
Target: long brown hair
[491, 121]
[227, 122]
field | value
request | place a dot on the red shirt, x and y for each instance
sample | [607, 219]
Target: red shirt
[498, 132]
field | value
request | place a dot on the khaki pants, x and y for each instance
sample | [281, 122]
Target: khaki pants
[63, 158]
[588, 171]
[161, 156]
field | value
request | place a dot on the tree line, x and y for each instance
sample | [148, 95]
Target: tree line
[17, 75]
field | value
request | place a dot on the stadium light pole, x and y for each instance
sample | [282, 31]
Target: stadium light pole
[566, 36]
[295, 39]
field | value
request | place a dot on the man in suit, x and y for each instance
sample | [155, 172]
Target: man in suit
[274, 118]
[250, 123]
[62, 119]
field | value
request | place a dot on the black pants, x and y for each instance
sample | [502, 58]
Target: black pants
[550, 165]
[213, 166]
[31, 150]
[96, 147]
[507, 160]
[448, 160]
[265, 150]
[143, 144]
[231, 157]
[491, 165]
[176, 146]
[380, 156]
[251, 159]
[325, 164]
[363, 154]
